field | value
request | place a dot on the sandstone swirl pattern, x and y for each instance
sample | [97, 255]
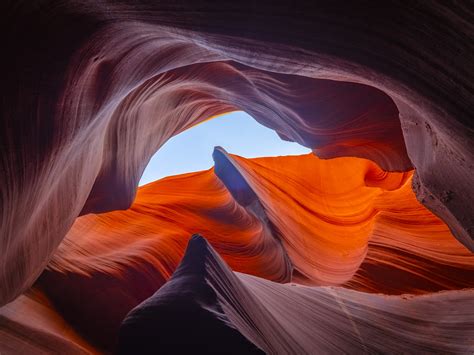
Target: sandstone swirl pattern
[366, 232]
[91, 90]
[289, 319]
[89, 97]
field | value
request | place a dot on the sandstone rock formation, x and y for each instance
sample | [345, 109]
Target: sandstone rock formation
[288, 319]
[366, 232]
[90, 90]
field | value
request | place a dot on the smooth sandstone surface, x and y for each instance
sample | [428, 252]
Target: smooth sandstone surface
[290, 319]
[367, 232]
[91, 90]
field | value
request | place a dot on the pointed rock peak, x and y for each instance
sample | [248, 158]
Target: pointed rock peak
[227, 171]
[195, 256]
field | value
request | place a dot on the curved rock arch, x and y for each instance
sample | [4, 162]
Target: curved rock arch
[66, 142]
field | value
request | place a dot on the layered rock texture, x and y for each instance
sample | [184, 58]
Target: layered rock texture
[382, 94]
[288, 319]
[332, 225]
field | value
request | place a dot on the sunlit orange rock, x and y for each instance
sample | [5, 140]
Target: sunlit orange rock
[318, 222]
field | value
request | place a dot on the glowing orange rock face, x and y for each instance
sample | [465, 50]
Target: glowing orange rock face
[331, 213]
[325, 214]
[156, 230]
[342, 221]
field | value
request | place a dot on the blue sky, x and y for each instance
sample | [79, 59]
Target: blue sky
[236, 132]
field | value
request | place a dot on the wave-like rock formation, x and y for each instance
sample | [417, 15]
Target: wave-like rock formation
[288, 319]
[318, 222]
[92, 89]
[323, 223]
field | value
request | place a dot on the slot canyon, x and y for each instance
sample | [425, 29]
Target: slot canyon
[363, 245]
